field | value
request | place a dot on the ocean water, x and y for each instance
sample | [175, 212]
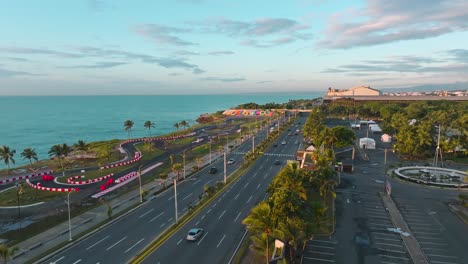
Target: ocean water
[40, 122]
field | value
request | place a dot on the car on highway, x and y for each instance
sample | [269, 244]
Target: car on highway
[283, 142]
[194, 234]
[275, 145]
[277, 162]
[231, 161]
[213, 170]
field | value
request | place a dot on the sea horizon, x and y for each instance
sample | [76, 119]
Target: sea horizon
[40, 122]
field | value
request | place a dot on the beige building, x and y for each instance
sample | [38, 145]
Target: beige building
[355, 91]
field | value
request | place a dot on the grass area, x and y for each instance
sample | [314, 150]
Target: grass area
[183, 141]
[29, 196]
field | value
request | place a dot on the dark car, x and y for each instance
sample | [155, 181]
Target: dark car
[213, 170]
[275, 145]
[277, 162]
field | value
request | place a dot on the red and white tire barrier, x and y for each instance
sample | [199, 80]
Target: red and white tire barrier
[126, 177]
[50, 189]
[24, 177]
[118, 185]
[137, 157]
[71, 179]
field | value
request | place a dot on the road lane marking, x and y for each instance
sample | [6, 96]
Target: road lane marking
[130, 248]
[246, 185]
[187, 196]
[59, 259]
[202, 238]
[258, 186]
[208, 211]
[249, 199]
[236, 196]
[149, 211]
[196, 182]
[321, 253]
[237, 217]
[154, 218]
[170, 198]
[179, 241]
[93, 244]
[170, 219]
[221, 240]
[196, 224]
[222, 214]
[319, 259]
[116, 243]
[203, 217]
[78, 261]
[162, 225]
[390, 245]
[255, 174]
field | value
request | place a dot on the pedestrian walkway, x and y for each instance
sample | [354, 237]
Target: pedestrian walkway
[412, 245]
[59, 234]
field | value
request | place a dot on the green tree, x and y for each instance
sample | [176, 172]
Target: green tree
[177, 125]
[149, 125]
[292, 233]
[128, 125]
[163, 176]
[7, 155]
[183, 124]
[177, 169]
[199, 161]
[29, 154]
[81, 145]
[6, 253]
[60, 152]
[260, 219]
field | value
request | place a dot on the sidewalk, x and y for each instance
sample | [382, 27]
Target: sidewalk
[59, 234]
[414, 249]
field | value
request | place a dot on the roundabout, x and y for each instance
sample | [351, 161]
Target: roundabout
[435, 176]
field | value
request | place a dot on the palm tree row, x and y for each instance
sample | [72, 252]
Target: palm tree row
[184, 124]
[59, 151]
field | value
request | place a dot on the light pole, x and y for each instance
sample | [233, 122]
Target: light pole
[183, 158]
[69, 216]
[19, 190]
[253, 144]
[227, 142]
[139, 178]
[224, 167]
[175, 200]
[210, 150]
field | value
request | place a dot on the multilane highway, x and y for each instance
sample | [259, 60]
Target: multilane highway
[222, 219]
[120, 241]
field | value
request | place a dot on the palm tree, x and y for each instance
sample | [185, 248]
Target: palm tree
[176, 125]
[177, 169]
[184, 124]
[7, 156]
[59, 151]
[199, 161]
[80, 145]
[260, 219]
[149, 125]
[163, 176]
[30, 154]
[293, 234]
[6, 252]
[128, 127]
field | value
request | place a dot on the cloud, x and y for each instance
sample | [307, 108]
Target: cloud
[218, 79]
[174, 74]
[220, 52]
[382, 21]
[93, 52]
[405, 64]
[98, 5]
[459, 55]
[186, 53]
[20, 50]
[161, 34]
[98, 65]
[260, 33]
[7, 73]
[17, 59]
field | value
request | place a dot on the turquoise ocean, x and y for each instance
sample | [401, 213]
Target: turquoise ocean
[40, 122]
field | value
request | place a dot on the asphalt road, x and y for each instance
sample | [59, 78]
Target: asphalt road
[121, 240]
[222, 220]
[362, 234]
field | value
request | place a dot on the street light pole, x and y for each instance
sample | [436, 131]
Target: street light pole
[139, 178]
[210, 150]
[175, 200]
[253, 144]
[18, 190]
[183, 157]
[224, 167]
[69, 217]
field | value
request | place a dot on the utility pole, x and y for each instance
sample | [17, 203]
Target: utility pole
[210, 150]
[175, 201]
[385, 161]
[139, 178]
[225, 168]
[183, 158]
[253, 144]
[69, 217]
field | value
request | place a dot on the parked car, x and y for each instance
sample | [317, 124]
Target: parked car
[213, 170]
[231, 161]
[194, 234]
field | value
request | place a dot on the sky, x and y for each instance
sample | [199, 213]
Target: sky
[101, 47]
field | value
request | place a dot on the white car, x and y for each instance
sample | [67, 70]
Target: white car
[194, 234]
[231, 161]
[283, 142]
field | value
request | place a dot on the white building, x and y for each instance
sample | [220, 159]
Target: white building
[354, 91]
